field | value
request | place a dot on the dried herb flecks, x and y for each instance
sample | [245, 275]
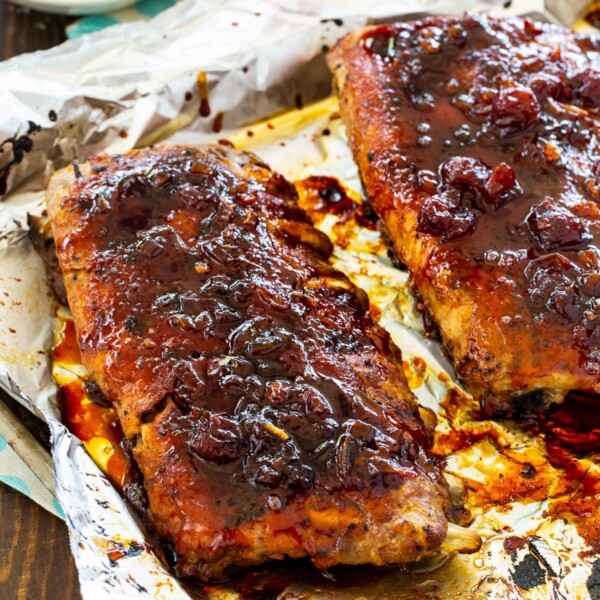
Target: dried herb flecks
[20, 145]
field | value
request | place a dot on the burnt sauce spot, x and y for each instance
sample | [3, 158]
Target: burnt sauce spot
[33, 127]
[120, 551]
[529, 574]
[95, 394]
[338, 22]
[593, 582]
[593, 18]
[320, 195]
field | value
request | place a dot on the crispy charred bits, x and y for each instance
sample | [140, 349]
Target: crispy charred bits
[496, 215]
[267, 414]
[593, 582]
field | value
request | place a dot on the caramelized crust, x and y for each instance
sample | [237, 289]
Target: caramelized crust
[268, 414]
[477, 142]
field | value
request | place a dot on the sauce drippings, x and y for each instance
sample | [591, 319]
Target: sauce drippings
[94, 424]
[572, 432]
[573, 424]
[202, 84]
[504, 476]
[218, 123]
[561, 465]
[67, 348]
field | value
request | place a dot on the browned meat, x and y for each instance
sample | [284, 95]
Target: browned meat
[268, 414]
[477, 142]
[40, 234]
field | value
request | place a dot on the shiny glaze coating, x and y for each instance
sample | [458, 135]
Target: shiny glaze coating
[266, 411]
[477, 141]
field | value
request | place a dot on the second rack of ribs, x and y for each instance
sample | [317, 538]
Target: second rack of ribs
[477, 142]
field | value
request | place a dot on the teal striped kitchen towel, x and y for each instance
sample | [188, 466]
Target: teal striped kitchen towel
[143, 10]
[18, 475]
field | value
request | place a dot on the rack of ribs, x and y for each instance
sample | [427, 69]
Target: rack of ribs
[477, 142]
[267, 413]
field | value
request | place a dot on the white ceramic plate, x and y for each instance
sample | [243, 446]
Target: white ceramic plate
[75, 7]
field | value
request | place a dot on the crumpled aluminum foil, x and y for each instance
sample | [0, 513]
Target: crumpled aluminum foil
[201, 71]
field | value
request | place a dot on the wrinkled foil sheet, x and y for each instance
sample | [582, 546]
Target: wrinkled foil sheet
[207, 66]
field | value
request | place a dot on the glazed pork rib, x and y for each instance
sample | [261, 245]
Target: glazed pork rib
[477, 143]
[268, 414]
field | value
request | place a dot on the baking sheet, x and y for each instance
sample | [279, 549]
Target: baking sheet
[137, 84]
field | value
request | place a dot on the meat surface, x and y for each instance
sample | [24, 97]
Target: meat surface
[477, 143]
[267, 413]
